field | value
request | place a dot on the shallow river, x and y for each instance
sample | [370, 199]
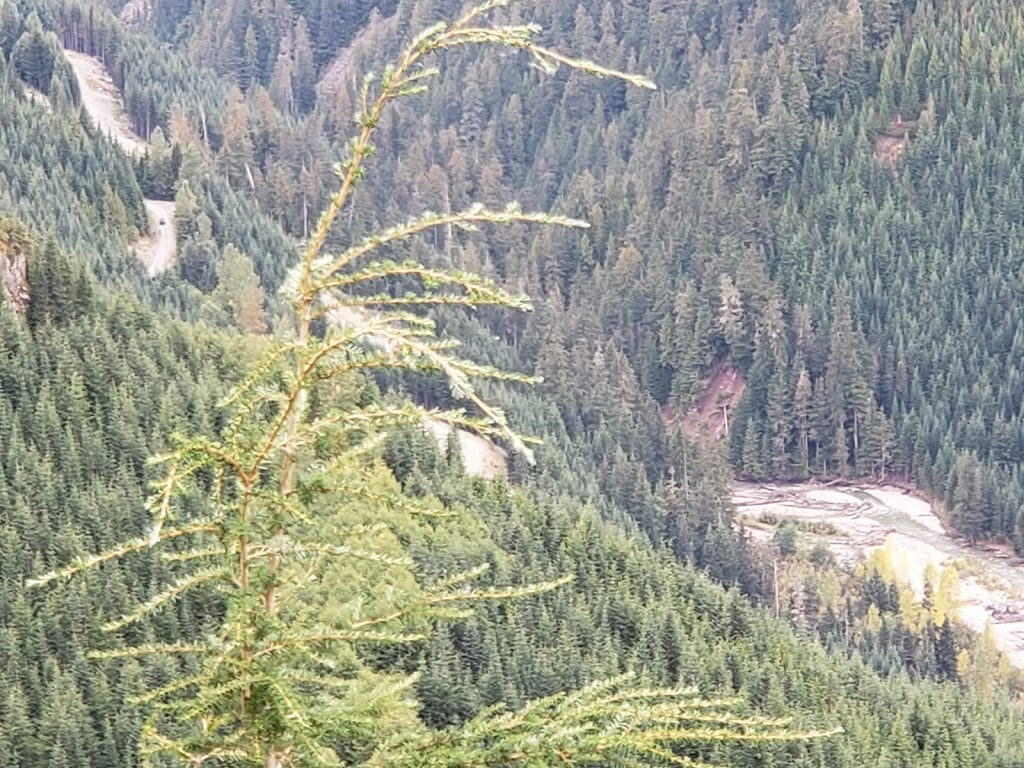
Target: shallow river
[868, 517]
[901, 522]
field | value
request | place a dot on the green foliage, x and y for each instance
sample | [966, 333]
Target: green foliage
[35, 54]
[602, 723]
[75, 483]
[785, 538]
[829, 213]
[754, 162]
[84, 399]
[290, 501]
[67, 181]
[58, 293]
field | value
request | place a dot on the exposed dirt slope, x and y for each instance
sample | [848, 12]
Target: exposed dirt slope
[480, 457]
[37, 97]
[15, 243]
[102, 100]
[710, 415]
[890, 143]
[341, 69]
[135, 12]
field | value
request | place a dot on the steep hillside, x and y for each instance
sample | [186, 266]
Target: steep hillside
[98, 196]
[821, 196]
[86, 195]
[803, 242]
[15, 245]
[79, 388]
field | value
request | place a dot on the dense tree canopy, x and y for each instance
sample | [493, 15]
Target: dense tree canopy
[821, 197]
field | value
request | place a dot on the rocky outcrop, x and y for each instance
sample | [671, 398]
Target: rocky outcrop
[15, 245]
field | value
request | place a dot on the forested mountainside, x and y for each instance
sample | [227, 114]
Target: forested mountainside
[93, 384]
[817, 203]
[820, 196]
[813, 198]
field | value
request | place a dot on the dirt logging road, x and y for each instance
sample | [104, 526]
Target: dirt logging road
[157, 249]
[102, 101]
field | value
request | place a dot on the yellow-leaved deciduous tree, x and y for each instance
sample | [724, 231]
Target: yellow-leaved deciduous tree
[873, 619]
[945, 595]
[983, 666]
[238, 292]
[915, 616]
[299, 526]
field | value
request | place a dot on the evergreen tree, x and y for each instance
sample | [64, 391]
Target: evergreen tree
[267, 686]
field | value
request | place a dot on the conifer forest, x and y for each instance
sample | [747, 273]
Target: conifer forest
[380, 383]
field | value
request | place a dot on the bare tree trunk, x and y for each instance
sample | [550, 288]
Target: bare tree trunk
[775, 583]
[449, 233]
[202, 118]
[686, 477]
[856, 442]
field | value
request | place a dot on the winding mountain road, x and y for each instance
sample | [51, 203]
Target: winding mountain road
[102, 101]
[157, 249]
